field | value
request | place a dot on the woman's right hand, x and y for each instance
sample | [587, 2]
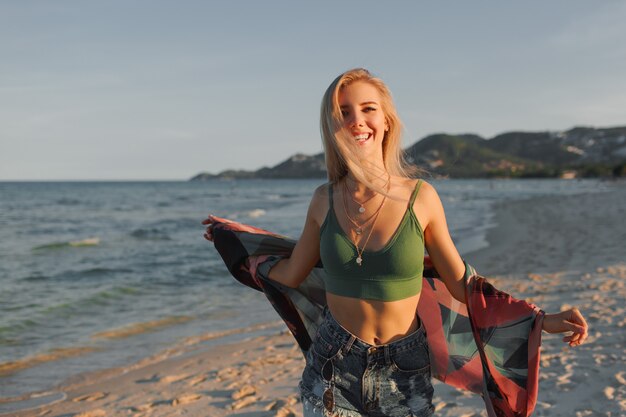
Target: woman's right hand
[567, 321]
[208, 235]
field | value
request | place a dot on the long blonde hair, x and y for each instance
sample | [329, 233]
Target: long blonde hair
[340, 154]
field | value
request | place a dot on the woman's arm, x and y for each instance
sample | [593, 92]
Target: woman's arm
[293, 270]
[438, 242]
[451, 268]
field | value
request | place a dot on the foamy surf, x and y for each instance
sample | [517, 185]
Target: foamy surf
[219, 334]
[253, 214]
[10, 367]
[91, 241]
[30, 402]
[138, 328]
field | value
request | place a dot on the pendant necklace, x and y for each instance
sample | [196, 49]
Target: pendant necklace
[359, 258]
[358, 230]
[362, 204]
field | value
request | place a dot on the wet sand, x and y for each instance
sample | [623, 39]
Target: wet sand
[553, 251]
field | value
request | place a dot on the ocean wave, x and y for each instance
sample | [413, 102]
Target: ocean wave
[222, 333]
[10, 334]
[111, 294]
[107, 296]
[36, 277]
[88, 273]
[90, 241]
[9, 341]
[19, 326]
[177, 223]
[68, 201]
[11, 367]
[256, 213]
[150, 234]
[139, 328]
[44, 317]
[30, 401]
[251, 214]
[82, 305]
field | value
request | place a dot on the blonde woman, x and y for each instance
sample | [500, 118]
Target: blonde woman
[370, 226]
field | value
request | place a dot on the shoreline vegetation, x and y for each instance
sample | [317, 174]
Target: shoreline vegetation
[554, 251]
[580, 152]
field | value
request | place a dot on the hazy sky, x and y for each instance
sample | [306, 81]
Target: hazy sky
[164, 89]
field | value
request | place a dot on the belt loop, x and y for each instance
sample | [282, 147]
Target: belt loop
[387, 355]
[348, 345]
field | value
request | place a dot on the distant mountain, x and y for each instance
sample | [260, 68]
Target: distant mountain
[298, 166]
[461, 156]
[580, 151]
[574, 146]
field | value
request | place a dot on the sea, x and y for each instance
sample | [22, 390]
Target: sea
[98, 275]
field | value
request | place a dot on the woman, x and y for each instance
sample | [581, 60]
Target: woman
[369, 226]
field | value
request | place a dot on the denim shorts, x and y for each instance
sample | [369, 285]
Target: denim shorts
[345, 376]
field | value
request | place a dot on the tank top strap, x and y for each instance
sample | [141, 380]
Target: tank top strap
[330, 195]
[414, 194]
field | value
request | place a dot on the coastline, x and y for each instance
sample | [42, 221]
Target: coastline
[554, 233]
[552, 251]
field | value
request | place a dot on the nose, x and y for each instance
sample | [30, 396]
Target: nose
[355, 120]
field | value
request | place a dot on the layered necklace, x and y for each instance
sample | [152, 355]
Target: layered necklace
[359, 227]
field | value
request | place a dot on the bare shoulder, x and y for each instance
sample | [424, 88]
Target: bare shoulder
[322, 189]
[319, 203]
[427, 191]
[408, 186]
[320, 195]
[427, 203]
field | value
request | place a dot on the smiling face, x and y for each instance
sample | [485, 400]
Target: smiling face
[357, 103]
[363, 117]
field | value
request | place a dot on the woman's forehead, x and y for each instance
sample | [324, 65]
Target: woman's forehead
[359, 92]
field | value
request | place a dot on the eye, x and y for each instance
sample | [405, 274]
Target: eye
[344, 113]
[369, 109]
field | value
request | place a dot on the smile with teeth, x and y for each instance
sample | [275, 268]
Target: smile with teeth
[362, 137]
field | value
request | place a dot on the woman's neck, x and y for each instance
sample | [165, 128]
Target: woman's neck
[381, 181]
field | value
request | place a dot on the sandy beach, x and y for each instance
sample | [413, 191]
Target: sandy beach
[553, 251]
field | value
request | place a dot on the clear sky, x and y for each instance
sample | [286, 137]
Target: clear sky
[165, 89]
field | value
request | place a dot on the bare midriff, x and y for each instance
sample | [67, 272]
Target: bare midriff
[373, 321]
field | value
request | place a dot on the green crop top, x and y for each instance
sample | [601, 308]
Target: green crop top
[391, 273]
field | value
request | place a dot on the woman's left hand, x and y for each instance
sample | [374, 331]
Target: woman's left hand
[567, 321]
[208, 222]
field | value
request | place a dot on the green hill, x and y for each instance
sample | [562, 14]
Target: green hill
[578, 152]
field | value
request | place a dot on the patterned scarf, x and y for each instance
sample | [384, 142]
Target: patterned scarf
[488, 345]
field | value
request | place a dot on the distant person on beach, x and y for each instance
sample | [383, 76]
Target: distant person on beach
[370, 226]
